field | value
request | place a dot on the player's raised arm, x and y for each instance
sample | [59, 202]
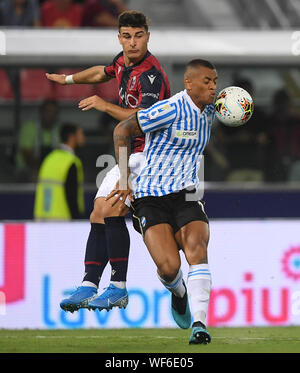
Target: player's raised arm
[92, 75]
[96, 102]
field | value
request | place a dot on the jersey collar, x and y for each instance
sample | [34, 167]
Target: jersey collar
[191, 102]
[138, 63]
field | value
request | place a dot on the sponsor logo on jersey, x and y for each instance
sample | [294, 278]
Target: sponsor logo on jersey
[154, 95]
[128, 99]
[187, 134]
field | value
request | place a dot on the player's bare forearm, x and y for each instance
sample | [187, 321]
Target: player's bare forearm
[115, 111]
[91, 75]
[118, 112]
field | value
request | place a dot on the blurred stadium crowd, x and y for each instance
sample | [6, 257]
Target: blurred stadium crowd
[60, 13]
[265, 150]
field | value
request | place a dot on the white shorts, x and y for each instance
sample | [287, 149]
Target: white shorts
[136, 162]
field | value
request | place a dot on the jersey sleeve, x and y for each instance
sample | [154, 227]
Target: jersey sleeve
[110, 70]
[152, 88]
[158, 117]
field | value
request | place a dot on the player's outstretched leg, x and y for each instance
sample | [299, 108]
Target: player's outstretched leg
[112, 297]
[95, 261]
[199, 334]
[79, 299]
[180, 305]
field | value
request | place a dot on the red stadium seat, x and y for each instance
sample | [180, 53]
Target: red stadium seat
[73, 92]
[34, 85]
[6, 91]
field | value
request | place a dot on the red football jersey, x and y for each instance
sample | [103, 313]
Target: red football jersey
[140, 86]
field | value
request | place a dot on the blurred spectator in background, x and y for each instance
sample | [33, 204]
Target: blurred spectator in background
[284, 139]
[245, 146]
[59, 192]
[25, 13]
[98, 144]
[105, 129]
[216, 165]
[61, 14]
[102, 13]
[36, 139]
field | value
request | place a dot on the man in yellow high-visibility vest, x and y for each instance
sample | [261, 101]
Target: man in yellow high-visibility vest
[59, 192]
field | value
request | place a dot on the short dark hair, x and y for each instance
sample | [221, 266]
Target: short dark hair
[133, 18]
[200, 62]
[66, 130]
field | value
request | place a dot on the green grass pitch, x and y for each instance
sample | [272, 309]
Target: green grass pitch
[224, 340]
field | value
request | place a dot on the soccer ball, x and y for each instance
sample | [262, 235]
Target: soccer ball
[234, 106]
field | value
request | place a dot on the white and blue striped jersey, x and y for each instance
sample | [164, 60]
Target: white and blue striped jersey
[176, 135]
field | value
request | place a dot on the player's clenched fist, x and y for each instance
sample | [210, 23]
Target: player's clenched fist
[92, 102]
[57, 78]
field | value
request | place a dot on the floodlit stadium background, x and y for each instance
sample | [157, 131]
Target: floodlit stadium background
[254, 251]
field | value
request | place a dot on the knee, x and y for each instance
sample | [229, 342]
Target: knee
[168, 269]
[103, 209]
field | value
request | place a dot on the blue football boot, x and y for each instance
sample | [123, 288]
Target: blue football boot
[79, 298]
[181, 310]
[112, 297]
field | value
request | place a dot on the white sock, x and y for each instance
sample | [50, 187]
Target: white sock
[176, 286]
[89, 283]
[119, 284]
[199, 286]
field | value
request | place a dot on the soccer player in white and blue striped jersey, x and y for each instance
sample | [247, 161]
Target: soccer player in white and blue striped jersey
[177, 131]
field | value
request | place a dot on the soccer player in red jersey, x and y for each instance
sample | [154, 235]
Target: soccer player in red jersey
[142, 82]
